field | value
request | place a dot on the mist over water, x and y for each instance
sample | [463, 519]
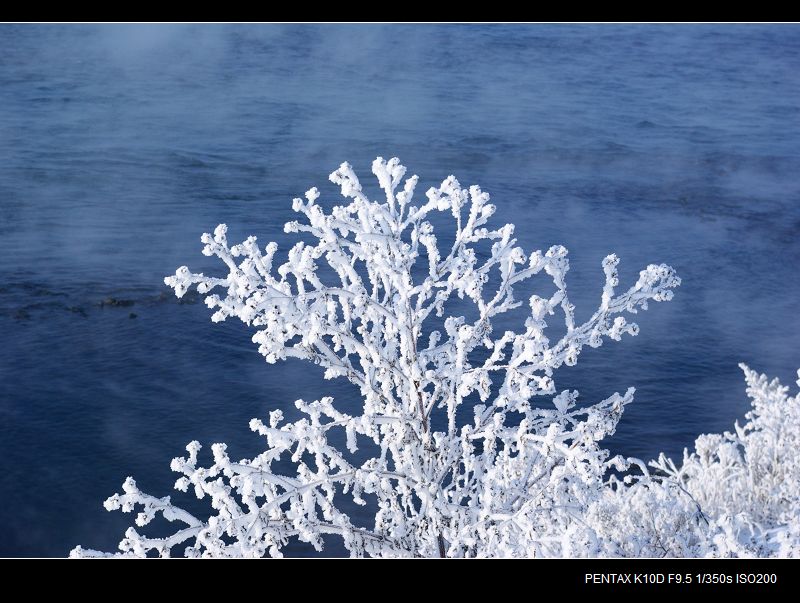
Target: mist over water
[120, 145]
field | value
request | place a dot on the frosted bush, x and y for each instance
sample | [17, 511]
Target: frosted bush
[745, 484]
[367, 302]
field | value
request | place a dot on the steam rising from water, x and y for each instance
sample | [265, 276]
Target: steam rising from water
[119, 145]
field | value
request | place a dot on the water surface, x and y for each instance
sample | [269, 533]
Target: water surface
[119, 145]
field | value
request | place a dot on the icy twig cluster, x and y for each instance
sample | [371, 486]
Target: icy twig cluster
[366, 302]
[736, 495]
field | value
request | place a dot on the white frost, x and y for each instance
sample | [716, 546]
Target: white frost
[495, 486]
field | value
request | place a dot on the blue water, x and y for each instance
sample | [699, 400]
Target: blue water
[119, 145]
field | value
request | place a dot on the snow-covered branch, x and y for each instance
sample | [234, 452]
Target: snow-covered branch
[366, 302]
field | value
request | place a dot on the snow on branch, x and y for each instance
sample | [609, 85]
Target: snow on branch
[360, 302]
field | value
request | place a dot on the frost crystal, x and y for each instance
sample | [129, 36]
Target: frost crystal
[364, 302]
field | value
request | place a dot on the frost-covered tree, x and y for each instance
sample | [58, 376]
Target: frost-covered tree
[737, 494]
[367, 302]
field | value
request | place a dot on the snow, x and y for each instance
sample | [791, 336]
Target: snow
[494, 487]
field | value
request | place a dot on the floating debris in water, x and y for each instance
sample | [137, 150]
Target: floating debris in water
[116, 303]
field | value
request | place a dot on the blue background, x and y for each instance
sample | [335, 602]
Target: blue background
[120, 145]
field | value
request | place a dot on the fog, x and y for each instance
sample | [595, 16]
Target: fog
[121, 144]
